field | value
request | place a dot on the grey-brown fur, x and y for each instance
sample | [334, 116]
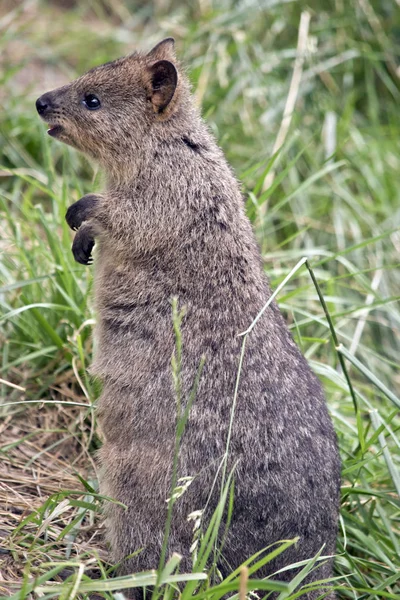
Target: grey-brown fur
[171, 222]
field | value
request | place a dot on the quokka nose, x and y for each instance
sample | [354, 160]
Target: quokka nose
[43, 103]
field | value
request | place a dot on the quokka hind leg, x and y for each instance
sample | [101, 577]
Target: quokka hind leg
[138, 528]
[238, 549]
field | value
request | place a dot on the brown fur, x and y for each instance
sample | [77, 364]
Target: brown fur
[171, 222]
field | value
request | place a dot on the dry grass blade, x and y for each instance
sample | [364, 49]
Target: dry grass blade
[292, 95]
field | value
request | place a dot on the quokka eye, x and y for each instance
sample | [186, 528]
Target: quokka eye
[91, 102]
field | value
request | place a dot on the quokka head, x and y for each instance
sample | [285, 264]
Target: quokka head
[108, 112]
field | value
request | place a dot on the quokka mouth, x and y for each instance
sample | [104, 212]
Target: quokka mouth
[54, 130]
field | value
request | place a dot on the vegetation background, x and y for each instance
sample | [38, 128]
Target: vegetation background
[321, 181]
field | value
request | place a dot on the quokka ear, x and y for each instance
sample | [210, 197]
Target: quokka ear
[164, 79]
[163, 50]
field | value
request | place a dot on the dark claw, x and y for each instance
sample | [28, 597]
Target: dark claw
[82, 247]
[74, 216]
[81, 211]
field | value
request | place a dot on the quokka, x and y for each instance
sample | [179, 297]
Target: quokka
[171, 223]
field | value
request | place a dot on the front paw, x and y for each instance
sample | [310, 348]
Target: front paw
[82, 210]
[82, 246]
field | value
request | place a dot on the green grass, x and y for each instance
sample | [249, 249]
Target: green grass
[334, 200]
